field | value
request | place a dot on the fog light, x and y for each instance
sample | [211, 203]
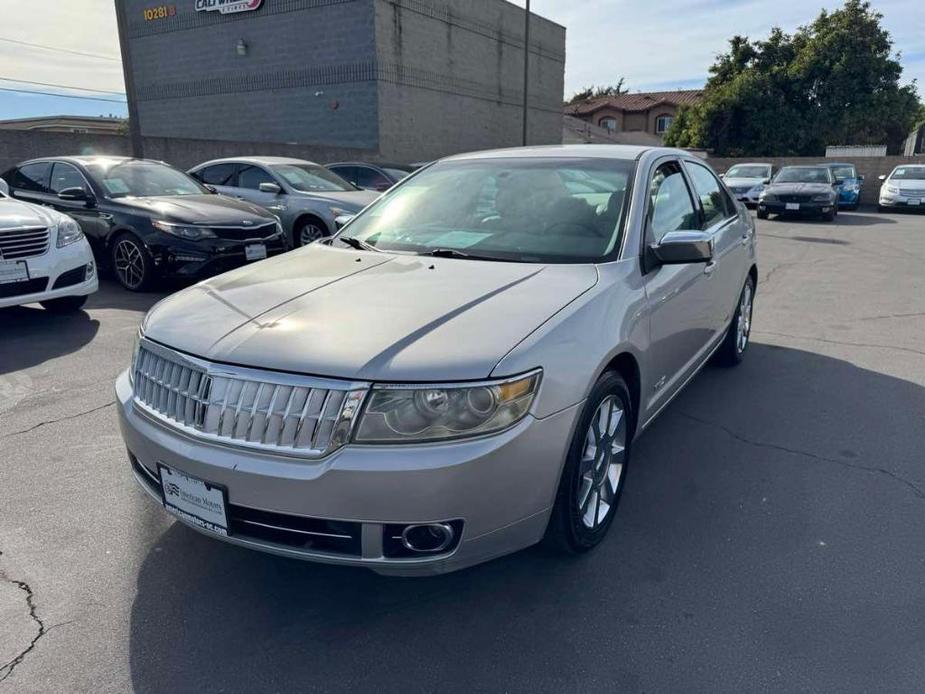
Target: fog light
[91, 268]
[432, 537]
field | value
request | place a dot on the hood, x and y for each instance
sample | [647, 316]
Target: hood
[788, 188]
[15, 214]
[366, 315]
[742, 182]
[350, 200]
[200, 209]
[906, 183]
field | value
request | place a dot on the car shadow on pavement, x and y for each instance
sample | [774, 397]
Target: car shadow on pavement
[112, 295]
[31, 335]
[862, 219]
[759, 506]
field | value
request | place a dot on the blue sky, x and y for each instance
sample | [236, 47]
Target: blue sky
[655, 46]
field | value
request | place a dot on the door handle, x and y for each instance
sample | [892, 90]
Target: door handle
[745, 237]
[709, 268]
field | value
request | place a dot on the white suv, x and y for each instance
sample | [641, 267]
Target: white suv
[44, 257]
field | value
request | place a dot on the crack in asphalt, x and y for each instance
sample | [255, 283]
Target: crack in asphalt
[841, 342]
[916, 314]
[7, 668]
[60, 419]
[919, 492]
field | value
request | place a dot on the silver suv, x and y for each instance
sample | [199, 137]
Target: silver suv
[307, 197]
[458, 374]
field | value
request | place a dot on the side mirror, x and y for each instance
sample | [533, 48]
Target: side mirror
[271, 188]
[766, 181]
[4, 187]
[881, 177]
[861, 177]
[210, 188]
[342, 220]
[722, 175]
[681, 248]
[76, 195]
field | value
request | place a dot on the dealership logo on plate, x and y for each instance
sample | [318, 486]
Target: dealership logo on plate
[227, 6]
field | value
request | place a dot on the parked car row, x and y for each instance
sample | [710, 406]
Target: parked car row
[820, 189]
[146, 221]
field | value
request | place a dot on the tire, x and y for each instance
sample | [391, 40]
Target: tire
[762, 214]
[881, 209]
[593, 478]
[66, 304]
[732, 350]
[131, 263]
[307, 230]
[829, 216]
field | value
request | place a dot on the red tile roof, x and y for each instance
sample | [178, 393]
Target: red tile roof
[638, 101]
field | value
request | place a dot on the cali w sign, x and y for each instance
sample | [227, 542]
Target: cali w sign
[227, 6]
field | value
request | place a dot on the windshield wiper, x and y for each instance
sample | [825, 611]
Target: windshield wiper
[453, 253]
[360, 245]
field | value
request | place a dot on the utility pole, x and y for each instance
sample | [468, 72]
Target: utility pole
[134, 125]
[526, 67]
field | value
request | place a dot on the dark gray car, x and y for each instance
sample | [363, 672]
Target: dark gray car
[305, 196]
[808, 190]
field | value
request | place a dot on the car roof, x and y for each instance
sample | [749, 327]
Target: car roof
[625, 152]
[806, 166]
[840, 163]
[377, 164]
[85, 159]
[259, 160]
[752, 163]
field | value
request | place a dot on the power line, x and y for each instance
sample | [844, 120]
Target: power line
[60, 50]
[63, 96]
[63, 86]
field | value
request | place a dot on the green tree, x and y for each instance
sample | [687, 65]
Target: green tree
[594, 92]
[834, 81]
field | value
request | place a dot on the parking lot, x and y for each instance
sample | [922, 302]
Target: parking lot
[770, 536]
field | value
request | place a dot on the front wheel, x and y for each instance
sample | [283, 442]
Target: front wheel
[307, 231]
[829, 216]
[595, 469]
[133, 266]
[762, 214]
[732, 349]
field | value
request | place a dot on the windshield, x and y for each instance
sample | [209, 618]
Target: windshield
[749, 171]
[311, 178]
[800, 175]
[142, 179]
[526, 210]
[910, 173]
[844, 172]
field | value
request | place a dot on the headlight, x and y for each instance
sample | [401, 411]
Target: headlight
[765, 195]
[892, 190]
[408, 414]
[69, 232]
[190, 233]
[757, 190]
[338, 211]
[825, 197]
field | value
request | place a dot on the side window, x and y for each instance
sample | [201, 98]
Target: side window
[64, 176]
[32, 177]
[370, 178]
[670, 204]
[252, 176]
[716, 204]
[218, 174]
[348, 173]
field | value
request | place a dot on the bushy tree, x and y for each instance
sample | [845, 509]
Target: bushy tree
[834, 81]
[594, 92]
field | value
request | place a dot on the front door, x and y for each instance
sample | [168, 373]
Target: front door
[680, 298]
[94, 222]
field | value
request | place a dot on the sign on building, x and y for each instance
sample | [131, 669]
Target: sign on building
[227, 6]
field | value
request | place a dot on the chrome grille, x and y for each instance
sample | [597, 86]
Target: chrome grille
[23, 243]
[278, 413]
[912, 193]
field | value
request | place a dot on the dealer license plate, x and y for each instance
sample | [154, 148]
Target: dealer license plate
[792, 206]
[915, 201]
[255, 251]
[194, 500]
[13, 271]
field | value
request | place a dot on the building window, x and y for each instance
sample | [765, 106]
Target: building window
[662, 123]
[608, 124]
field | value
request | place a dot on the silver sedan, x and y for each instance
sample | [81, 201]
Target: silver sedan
[460, 373]
[306, 196]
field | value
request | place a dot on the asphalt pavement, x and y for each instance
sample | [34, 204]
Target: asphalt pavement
[771, 536]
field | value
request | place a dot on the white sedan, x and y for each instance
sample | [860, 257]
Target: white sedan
[44, 257]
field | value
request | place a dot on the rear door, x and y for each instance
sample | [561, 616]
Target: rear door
[731, 233]
[681, 316]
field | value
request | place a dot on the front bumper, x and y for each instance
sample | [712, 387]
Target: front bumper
[806, 207]
[46, 270]
[749, 197]
[179, 258]
[849, 198]
[902, 201]
[501, 488]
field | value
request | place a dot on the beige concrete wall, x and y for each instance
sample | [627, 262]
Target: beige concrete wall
[869, 167]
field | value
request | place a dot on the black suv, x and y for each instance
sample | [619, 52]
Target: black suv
[146, 220]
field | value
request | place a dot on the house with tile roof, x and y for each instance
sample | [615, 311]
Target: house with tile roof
[646, 114]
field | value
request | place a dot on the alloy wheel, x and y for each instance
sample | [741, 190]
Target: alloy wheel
[129, 264]
[309, 232]
[744, 324]
[602, 463]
